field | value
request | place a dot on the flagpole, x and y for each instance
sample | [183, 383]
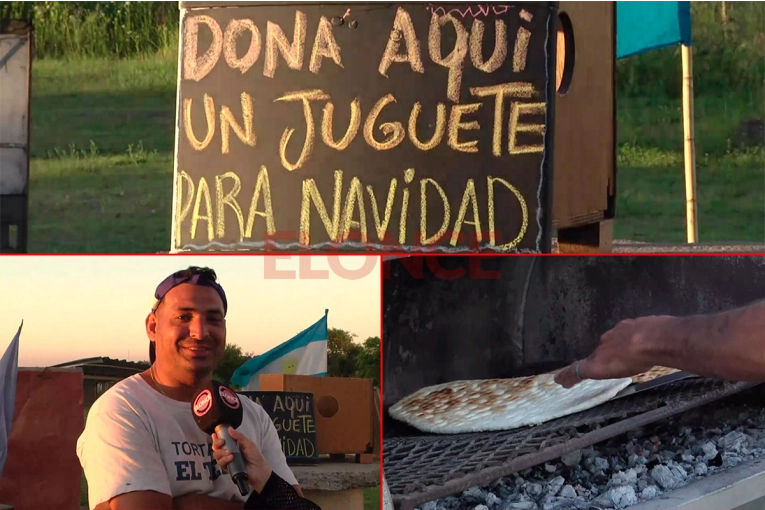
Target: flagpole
[692, 226]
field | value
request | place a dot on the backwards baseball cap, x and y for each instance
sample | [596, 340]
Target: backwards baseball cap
[202, 276]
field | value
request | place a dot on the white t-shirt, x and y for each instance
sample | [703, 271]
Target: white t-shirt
[137, 439]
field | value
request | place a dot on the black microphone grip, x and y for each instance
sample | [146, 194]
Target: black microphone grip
[236, 468]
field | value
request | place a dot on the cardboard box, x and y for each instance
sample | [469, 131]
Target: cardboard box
[344, 409]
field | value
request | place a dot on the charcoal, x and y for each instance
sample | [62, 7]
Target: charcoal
[618, 497]
[710, 452]
[492, 500]
[640, 465]
[521, 505]
[572, 459]
[664, 477]
[555, 485]
[733, 441]
[628, 477]
[474, 496]
[649, 492]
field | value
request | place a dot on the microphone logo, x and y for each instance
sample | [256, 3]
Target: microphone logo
[203, 403]
[229, 397]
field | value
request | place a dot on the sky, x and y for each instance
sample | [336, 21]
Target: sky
[87, 306]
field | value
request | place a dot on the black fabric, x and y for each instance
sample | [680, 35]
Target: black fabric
[277, 495]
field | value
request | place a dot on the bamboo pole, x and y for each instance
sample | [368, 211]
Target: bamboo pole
[688, 147]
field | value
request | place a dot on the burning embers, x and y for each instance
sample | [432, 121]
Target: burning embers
[634, 467]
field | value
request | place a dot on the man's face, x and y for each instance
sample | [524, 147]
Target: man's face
[189, 330]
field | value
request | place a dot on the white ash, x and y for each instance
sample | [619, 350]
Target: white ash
[635, 467]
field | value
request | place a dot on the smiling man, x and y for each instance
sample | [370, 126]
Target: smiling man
[141, 448]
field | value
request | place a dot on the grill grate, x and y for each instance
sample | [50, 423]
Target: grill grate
[428, 467]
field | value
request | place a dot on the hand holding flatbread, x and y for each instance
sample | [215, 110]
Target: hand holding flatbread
[622, 353]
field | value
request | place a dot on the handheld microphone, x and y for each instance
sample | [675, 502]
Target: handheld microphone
[216, 409]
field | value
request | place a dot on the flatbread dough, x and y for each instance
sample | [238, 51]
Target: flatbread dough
[500, 404]
[652, 374]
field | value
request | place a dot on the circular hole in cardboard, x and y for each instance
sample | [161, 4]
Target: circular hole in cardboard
[566, 50]
[327, 406]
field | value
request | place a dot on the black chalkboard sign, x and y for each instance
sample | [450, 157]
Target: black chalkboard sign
[295, 421]
[370, 126]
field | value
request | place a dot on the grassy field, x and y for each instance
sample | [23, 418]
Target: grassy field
[730, 179]
[102, 143]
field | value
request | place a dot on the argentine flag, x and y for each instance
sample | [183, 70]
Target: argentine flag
[9, 370]
[303, 354]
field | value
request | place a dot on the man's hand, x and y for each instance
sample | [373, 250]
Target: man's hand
[258, 470]
[621, 353]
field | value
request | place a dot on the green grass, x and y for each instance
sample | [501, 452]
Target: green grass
[372, 498]
[101, 204]
[112, 103]
[730, 178]
[102, 144]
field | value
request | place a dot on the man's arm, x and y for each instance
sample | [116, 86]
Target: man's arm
[728, 345]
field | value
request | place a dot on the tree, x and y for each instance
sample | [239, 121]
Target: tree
[347, 358]
[233, 358]
[341, 353]
[368, 360]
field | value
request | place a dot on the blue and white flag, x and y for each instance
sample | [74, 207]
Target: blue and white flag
[303, 354]
[9, 371]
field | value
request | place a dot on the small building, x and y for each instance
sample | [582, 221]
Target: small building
[102, 373]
